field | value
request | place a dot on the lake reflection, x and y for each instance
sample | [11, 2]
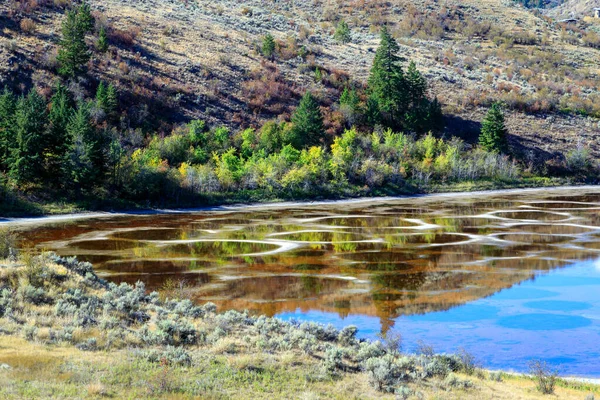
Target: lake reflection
[479, 271]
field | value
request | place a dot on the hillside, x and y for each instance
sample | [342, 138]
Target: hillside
[187, 59]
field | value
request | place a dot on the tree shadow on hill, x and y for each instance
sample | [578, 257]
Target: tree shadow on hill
[465, 129]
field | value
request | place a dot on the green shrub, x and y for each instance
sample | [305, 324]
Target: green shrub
[342, 32]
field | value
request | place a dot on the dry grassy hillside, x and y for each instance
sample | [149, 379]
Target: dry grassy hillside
[182, 59]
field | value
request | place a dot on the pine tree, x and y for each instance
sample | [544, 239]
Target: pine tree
[308, 121]
[112, 101]
[342, 32]
[7, 118]
[84, 155]
[416, 86]
[101, 96]
[493, 131]
[349, 98]
[58, 141]
[102, 43]
[268, 46]
[73, 53]
[387, 82]
[27, 155]
[85, 18]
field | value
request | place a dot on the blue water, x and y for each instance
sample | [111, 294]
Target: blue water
[555, 318]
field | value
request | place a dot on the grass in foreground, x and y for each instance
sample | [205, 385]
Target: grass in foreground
[65, 333]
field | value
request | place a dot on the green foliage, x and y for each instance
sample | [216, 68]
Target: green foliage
[268, 46]
[86, 20]
[342, 32]
[73, 53]
[308, 121]
[318, 75]
[398, 99]
[27, 152]
[493, 131]
[84, 161]
[102, 43]
[59, 140]
[7, 116]
[387, 81]
[106, 99]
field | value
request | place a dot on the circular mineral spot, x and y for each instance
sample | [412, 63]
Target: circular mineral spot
[465, 313]
[530, 215]
[523, 293]
[543, 322]
[558, 305]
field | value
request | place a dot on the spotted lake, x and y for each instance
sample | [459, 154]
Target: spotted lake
[509, 276]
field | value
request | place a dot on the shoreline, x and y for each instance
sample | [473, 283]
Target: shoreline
[49, 218]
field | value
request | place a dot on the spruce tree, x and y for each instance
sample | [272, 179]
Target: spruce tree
[82, 161]
[386, 83]
[58, 141]
[102, 43]
[342, 32]
[73, 53]
[416, 86]
[308, 121]
[268, 46]
[349, 98]
[7, 118]
[112, 102]
[101, 96]
[27, 155]
[85, 18]
[493, 131]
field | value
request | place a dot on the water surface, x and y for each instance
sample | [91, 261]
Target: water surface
[508, 277]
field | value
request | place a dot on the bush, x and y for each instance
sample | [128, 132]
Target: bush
[171, 355]
[387, 371]
[27, 25]
[544, 377]
[8, 241]
[454, 382]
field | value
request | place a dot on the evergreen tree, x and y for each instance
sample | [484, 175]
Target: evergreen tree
[73, 53]
[58, 140]
[85, 18]
[387, 81]
[83, 162]
[27, 155]
[101, 96]
[493, 131]
[435, 117]
[308, 121]
[268, 46]
[416, 86]
[372, 112]
[349, 98]
[112, 101]
[7, 118]
[102, 43]
[350, 106]
[342, 32]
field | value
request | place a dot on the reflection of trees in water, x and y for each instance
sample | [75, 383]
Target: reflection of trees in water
[402, 274]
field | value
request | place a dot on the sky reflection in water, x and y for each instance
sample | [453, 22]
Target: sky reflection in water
[506, 330]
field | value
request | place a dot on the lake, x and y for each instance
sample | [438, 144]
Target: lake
[507, 276]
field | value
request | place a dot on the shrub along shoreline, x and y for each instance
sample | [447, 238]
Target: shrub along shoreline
[102, 339]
